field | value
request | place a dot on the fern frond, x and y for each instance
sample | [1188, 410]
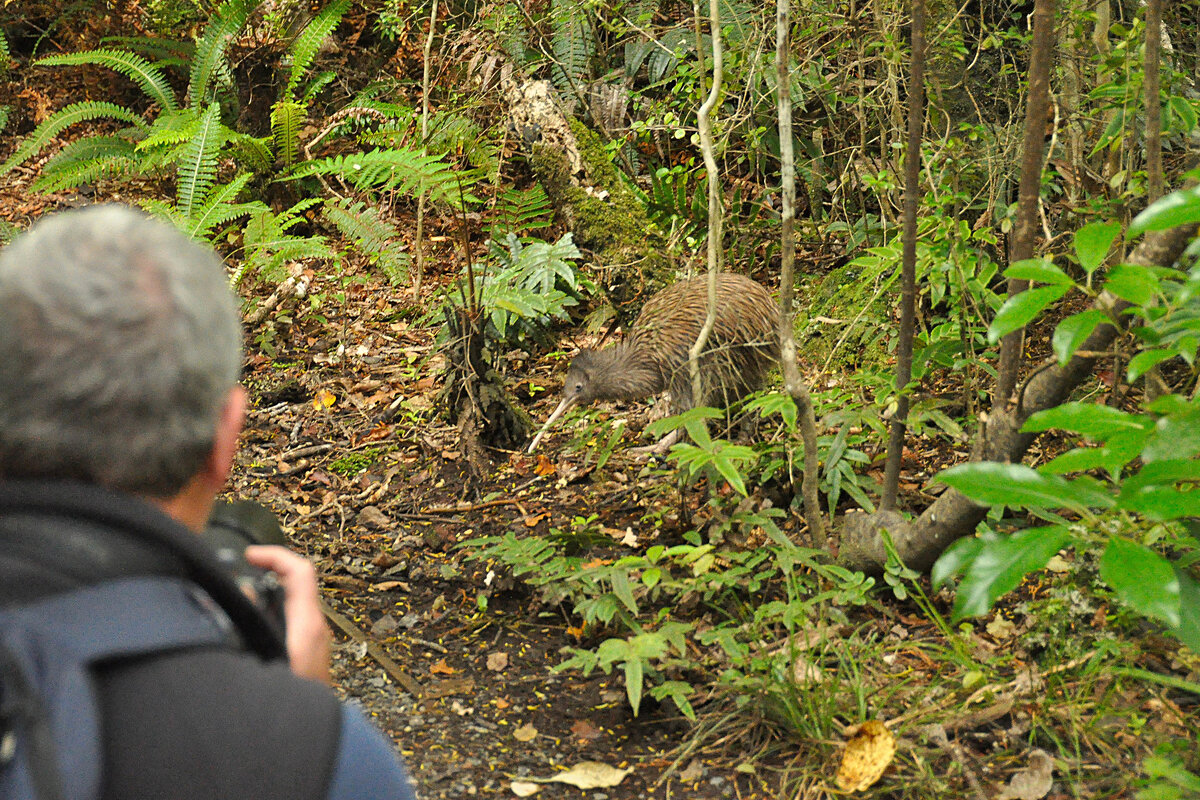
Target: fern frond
[139, 70]
[86, 161]
[220, 208]
[251, 151]
[64, 118]
[319, 82]
[170, 130]
[209, 60]
[574, 45]
[520, 211]
[198, 161]
[361, 225]
[305, 48]
[400, 169]
[5, 55]
[162, 51]
[269, 245]
[4, 113]
[286, 118]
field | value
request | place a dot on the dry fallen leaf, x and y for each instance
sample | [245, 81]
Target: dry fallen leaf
[324, 399]
[442, 668]
[533, 519]
[1033, 782]
[591, 775]
[524, 788]
[693, 772]
[525, 733]
[867, 756]
[544, 466]
[585, 730]
[497, 662]
[1001, 628]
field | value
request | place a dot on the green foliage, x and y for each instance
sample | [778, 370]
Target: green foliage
[305, 48]
[1141, 510]
[210, 71]
[371, 235]
[530, 285]
[208, 213]
[270, 243]
[197, 169]
[396, 169]
[73, 114]
[148, 77]
[573, 44]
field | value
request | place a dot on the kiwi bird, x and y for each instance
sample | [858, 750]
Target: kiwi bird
[653, 358]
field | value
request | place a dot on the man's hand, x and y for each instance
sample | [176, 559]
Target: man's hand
[307, 634]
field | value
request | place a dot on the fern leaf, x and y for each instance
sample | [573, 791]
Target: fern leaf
[170, 130]
[65, 118]
[220, 208]
[574, 46]
[209, 60]
[286, 118]
[139, 70]
[162, 51]
[400, 169]
[5, 55]
[4, 112]
[85, 161]
[305, 48]
[252, 151]
[198, 162]
[319, 82]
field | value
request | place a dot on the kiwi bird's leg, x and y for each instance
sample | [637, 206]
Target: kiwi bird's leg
[659, 448]
[563, 405]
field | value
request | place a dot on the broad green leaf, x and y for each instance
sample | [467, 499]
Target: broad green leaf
[730, 472]
[1081, 459]
[1073, 332]
[1089, 419]
[1000, 565]
[1161, 503]
[1092, 243]
[1182, 111]
[993, 483]
[621, 588]
[1162, 473]
[1174, 438]
[1136, 284]
[1177, 208]
[954, 559]
[633, 683]
[1188, 630]
[1144, 580]
[1020, 309]
[651, 577]
[1145, 360]
[1039, 269]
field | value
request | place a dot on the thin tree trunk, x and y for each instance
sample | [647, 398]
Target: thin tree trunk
[419, 238]
[908, 294]
[1154, 170]
[793, 383]
[704, 123]
[1036, 113]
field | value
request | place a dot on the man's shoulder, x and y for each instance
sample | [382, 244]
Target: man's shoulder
[218, 721]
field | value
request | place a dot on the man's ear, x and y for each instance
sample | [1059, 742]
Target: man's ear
[225, 442]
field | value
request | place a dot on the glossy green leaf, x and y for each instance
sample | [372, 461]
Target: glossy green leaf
[1001, 564]
[1093, 420]
[1092, 243]
[1145, 360]
[1144, 580]
[1073, 332]
[1081, 459]
[1039, 269]
[1188, 629]
[1161, 503]
[1177, 208]
[1020, 309]
[1017, 485]
[1176, 437]
[954, 559]
[1138, 285]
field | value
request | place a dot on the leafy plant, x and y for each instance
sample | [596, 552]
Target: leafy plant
[531, 285]
[371, 235]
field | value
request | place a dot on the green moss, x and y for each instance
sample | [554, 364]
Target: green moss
[351, 464]
[608, 221]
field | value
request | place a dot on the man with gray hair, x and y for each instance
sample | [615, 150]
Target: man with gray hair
[120, 411]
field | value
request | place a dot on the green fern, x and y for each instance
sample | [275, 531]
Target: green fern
[87, 161]
[270, 244]
[4, 113]
[5, 55]
[146, 75]
[305, 48]
[286, 118]
[520, 211]
[212, 212]
[198, 162]
[397, 169]
[574, 46]
[371, 235]
[62, 119]
[161, 51]
[209, 68]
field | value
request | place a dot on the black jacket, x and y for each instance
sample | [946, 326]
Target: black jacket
[209, 722]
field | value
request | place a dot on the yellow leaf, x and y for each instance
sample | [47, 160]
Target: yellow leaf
[525, 733]
[867, 755]
[324, 399]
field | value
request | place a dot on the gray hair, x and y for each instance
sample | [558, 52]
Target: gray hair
[119, 344]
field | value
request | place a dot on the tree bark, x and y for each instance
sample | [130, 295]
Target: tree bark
[704, 124]
[1036, 113]
[793, 383]
[908, 277]
[953, 515]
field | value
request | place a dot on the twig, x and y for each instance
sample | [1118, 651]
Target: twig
[374, 650]
[465, 507]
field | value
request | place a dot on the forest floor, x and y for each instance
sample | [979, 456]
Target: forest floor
[344, 443]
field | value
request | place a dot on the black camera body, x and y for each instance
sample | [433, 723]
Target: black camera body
[232, 527]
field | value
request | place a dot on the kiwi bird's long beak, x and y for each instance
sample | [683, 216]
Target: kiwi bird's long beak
[563, 405]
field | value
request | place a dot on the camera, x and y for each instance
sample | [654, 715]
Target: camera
[232, 527]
